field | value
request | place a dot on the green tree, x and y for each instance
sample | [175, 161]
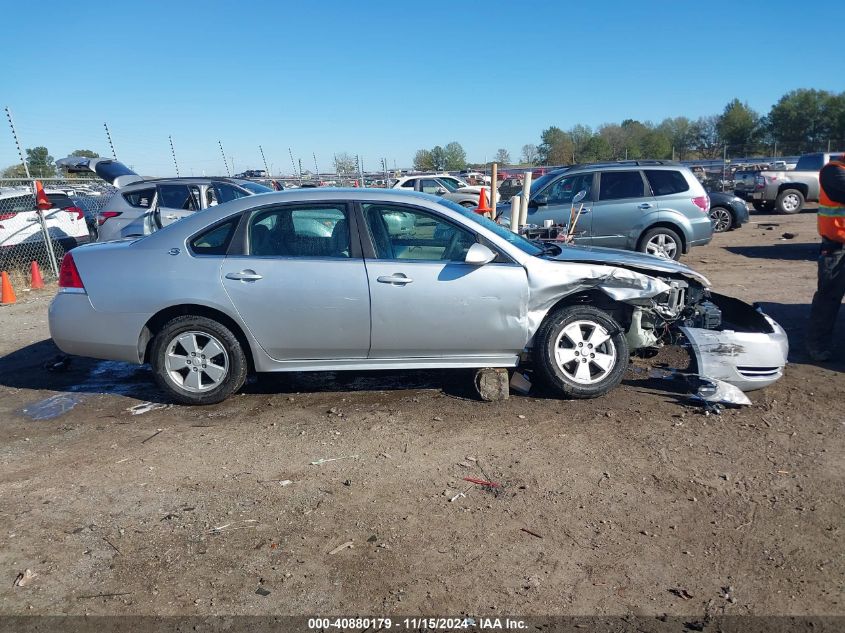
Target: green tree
[530, 154]
[438, 158]
[40, 162]
[345, 164]
[423, 161]
[738, 127]
[503, 157]
[615, 138]
[803, 120]
[597, 148]
[14, 171]
[580, 136]
[456, 157]
[680, 132]
[85, 153]
[556, 147]
[706, 137]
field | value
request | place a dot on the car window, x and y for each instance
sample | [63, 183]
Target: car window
[142, 198]
[810, 162]
[451, 184]
[665, 182]
[562, 191]
[225, 192]
[179, 197]
[616, 185]
[409, 184]
[216, 240]
[302, 231]
[403, 233]
[430, 185]
[59, 200]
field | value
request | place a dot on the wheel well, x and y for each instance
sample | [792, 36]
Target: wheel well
[664, 225]
[620, 312]
[804, 189]
[160, 318]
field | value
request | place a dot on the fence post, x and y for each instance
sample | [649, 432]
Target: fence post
[48, 243]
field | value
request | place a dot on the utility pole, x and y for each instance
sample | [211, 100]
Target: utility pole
[223, 154]
[293, 164]
[173, 152]
[360, 162]
[17, 142]
[300, 168]
[384, 168]
[108, 136]
[724, 165]
[260, 149]
[316, 169]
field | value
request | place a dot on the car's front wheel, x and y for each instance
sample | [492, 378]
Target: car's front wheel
[197, 360]
[662, 242]
[581, 351]
[722, 219]
[789, 201]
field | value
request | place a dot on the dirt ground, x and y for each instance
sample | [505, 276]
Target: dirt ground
[634, 503]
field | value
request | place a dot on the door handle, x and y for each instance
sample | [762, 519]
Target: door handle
[170, 217]
[244, 275]
[583, 211]
[397, 278]
[645, 205]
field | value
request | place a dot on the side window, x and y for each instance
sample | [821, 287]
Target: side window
[409, 184]
[226, 192]
[142, 198]
[302, 231]
[563, 190]
[616, 185]
[404, 233]
[666, 182]
[215, 241]
[429, 185]
[179, 197]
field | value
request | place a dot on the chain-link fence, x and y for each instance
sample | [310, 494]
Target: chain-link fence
[29, 235]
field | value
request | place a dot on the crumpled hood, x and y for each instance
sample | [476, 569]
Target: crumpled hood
[626, 259]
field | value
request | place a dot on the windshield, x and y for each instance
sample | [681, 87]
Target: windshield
[254, 187]
[450, 184]
[542, 181]
[520, 242]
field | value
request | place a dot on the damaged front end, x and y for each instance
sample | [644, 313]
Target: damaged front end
[666, 303]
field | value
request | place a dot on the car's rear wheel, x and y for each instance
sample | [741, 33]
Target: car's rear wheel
[789, 201]
[662, 242]
[197, 360]
[581, 351]
[722, 219]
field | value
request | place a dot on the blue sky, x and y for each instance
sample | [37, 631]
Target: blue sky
[384, 79]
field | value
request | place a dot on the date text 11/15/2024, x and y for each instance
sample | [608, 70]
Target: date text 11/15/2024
[415, 623]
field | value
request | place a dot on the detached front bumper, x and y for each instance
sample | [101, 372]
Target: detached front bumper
[750, 357]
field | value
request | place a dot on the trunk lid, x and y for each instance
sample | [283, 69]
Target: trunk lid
[112, 171]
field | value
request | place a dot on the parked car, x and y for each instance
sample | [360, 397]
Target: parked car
[784, 191]
[20, 225]
[449, 187]
[727, 211]
[508, 188]
[656, 207]
[141, 206]
[250, 287]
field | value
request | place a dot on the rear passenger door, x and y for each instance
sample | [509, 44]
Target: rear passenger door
[176, 202]
[622, 209]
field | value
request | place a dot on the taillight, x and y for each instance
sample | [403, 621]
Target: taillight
[759, 182]
[7, 216]
[702, 202]
[102, 216]
[68, 274]
[79, 212]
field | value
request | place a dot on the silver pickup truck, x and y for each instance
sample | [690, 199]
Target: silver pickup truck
[784, 191]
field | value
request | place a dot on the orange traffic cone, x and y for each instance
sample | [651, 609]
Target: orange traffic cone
[483, 207]
[36, 282]
[41, 200]
[7, 294]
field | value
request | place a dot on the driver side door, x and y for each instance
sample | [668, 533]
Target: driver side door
[176, 202]
[426, 301]
[558, 197]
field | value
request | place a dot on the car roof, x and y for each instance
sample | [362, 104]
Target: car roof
[184, 180]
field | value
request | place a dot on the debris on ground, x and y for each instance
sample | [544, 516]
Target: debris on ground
[146, 407]
[341, 547]
[491, 384]
[59, 364]
[24, 578]
[520, 383]
[326, 460]
[152, 436]
[681, 593]
[233, 526]
[482, 482]
[703, 388]
[527, 531]
[262, 591]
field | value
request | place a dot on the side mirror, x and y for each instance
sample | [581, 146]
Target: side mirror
[539, 201]
[478, 255]
[579, 196]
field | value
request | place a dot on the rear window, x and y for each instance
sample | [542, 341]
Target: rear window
[665, 182]
[59, 200]
[216, 240]
[142, 198]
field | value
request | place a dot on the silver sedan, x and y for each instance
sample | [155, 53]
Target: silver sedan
[334, 279]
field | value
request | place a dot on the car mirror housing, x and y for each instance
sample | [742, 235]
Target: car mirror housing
[478, 255]
[539, 201]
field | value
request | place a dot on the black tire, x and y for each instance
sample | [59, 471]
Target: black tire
[208, 329]
[555, 375]
[763, 206]
[723, 219]
[668, 234]
[789, 202]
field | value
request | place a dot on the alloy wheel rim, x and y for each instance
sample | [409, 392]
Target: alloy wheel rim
[790, 202]
[662, 245]
[721, 220]
[584, 352]
[196, 361]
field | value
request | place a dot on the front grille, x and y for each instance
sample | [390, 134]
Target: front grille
[759, 372]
